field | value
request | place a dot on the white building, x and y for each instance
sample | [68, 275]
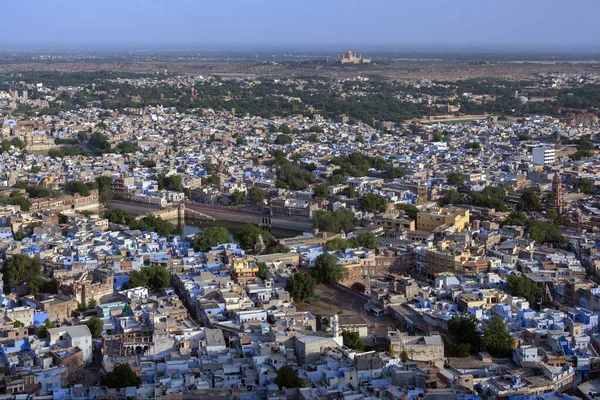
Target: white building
[543, 156]
[71, 336]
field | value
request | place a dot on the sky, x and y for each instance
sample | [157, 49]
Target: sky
[548, 24]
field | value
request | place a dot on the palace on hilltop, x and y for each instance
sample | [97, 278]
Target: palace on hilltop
[351, 58]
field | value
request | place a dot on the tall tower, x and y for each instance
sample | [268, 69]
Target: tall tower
[557, 195]
[336, 326]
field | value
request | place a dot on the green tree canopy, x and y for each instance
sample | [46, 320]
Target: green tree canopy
[455, 178]
[496, 338]
[328, 270]
[334, 221]
[464, 329]
[301, 287]
[155, 277]
[283, 139]
[210, 237]
[120, 377]
[586, 185]
[352, 340]
[263, 270]
[529, 201]
[96, 326]
[257, 195]
[237, 197]
[373, 202]
[77, 187]
[287, 378]
[248, 234]
[523, 287]
[43, 331]
[20, 269]
[321, 191]
[409, 209]
[544, 232]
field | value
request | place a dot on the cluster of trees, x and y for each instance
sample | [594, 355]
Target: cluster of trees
[358, 164]
[5, 145]
[210, 237]
[89, 306]
[248, 234]
[257, 195]
[373, 202]
[38, 191]
[409, 209]
[39, 284]
[77, 187]
[154, 277]
[283, 139]
[96, 326]
[544, 232]
[529, 201]
[455, 178]
[15, 199]
[352, 340]
[301, 287]
[66, 152]
[120, 377]
[20, 269]
[43, 330]
[496, 338]
[368, 240]
[328, 270]
[149, 223]
[490, 197]
[584, 148]
[171, 182]
[523, 287]
[290, 176]
[334, 221]
[288, 378]
[585, 185]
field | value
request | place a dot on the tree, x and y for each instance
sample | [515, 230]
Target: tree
[43, 331]
[529, 201]
[396, 172]
[585, 185]
[155, 277]
[18, 324]
[301, 287]
[515, 218]
[523, 287]
[237, 197]
[257, 195]
[148, 163]
[352, 340]
[283, 139]
[92, 304]
[473, 145]
[328, 270]
[409, 209]
[38, 284]
[210, 237]
[403, 356]
[321, 191]
[263, 270]
[373, 202]
[455, 178]
[496, 338]
[367, 239]
[171, 182]
[287, 378]
[95, 326]
[449, 197]
[77, 187]
[105, 189]
[120, 377]
[20, 269]
[464, 329]
[544, 232]
[334, 221]
[248, 234]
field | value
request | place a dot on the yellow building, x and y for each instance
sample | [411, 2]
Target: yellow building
[245, 270]
[394, 222]
[430, 220]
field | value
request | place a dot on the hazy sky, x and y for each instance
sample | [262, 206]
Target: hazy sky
[359, 23]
